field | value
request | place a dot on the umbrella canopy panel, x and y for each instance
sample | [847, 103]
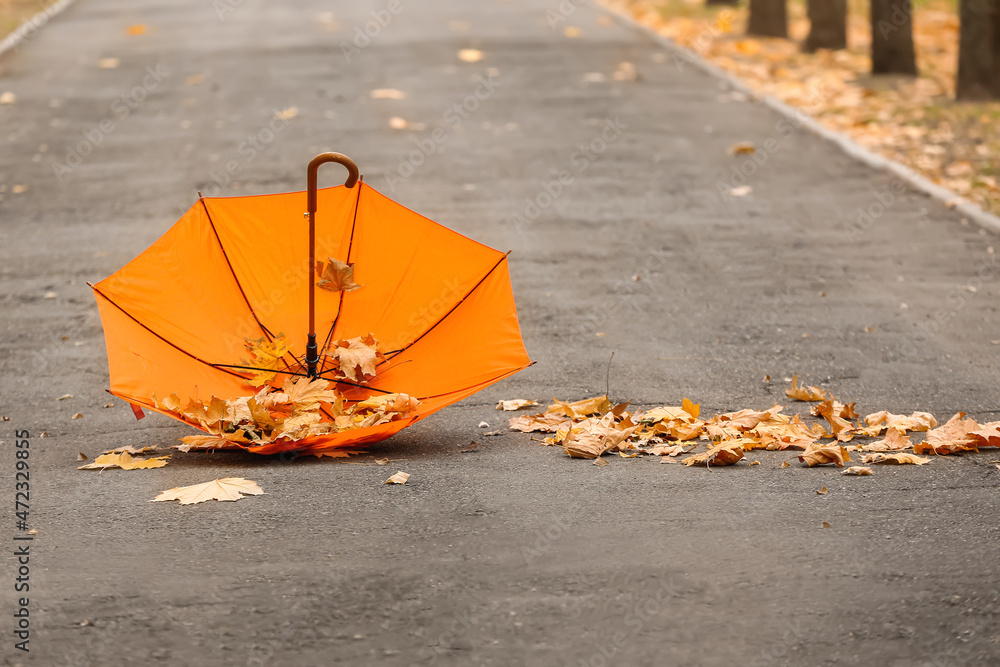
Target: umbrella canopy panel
[236, 268]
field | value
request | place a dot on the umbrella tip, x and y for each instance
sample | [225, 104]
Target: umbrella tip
[200, 196]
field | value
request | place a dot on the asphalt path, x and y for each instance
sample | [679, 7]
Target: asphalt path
[633, 231]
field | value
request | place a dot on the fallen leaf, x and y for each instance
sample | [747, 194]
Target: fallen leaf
[754, 463]
[954, 436]
[80, 456]
[357, 358]
[987, 435]
[859, 471]
[804, 393]
[381, 462]
[229, 488]
[399, 478]
[471, 447]
[486, 424]
[741, 191]
[626, 72]
[722, 454]
[109, 405]
[819, 454]
[397, 123]
[580, 409]
[470, 55]
[821, 492]
[337, 453]
[108, 63]
[515, 404]
[600, 461]
[336, 276]
[124, 461]
[387, 94]
[135, 30]
[742, 148]
[893, 440]
[572, 31]
[826, 524]
[286, 114]
[265, 356]
[895, 458]
[488, 433]
[64, 397]
[194, 80]
[131, 450]
[7, 97]
[205, 442]
[77, 416]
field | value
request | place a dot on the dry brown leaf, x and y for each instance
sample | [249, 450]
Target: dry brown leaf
[804, 393]
[580, 409]
[381, 462]
[987, 435]
[387, 94]
[592, 437]
[358, 358]
[515, 404]
[336, 276]
[819, 454]
[894, 457]
[64, 397]
[547, 423]
[859, 471]
[80, 456]
[669, 450]
[722, 454]
[227, 489]
[827, 524]
[78, 415]
[471, 447]
[743, 148]
[894, 440]
[470, 55]
[337, 453]
[286, 114]
[399, 478]
[205, 442]
[917, 421]
[821, 492]
[125, 461]
[600, 462]
[841, 429]
[954, 436]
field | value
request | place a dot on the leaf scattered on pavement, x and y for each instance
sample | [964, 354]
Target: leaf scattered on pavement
[804, 393]
[515, 404]
[858, 471]
[227, 489]
[399, 478]
[125, 461]
[895, 458]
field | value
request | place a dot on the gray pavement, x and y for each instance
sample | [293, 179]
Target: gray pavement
[512, 555]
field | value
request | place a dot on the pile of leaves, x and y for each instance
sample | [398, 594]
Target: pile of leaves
[914, 121]
[302, 408]
[593, 427]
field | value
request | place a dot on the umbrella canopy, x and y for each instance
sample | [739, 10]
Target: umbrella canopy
[236, 274]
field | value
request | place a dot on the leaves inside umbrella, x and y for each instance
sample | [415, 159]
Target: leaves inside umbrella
[336, 276]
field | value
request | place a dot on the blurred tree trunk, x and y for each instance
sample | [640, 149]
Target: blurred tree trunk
[979, 50]
[768, 18]
[828, 25]
[892, 37]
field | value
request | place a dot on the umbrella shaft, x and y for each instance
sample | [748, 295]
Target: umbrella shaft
[312, 356]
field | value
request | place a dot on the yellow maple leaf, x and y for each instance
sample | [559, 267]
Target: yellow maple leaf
[893, 440]
[229, 488]
[205, 442]
[818, 453]
[547, 423]
[336, 276]
[580, 409]
[306, 394]
[955, 436]
[125, 461]
[723, 454]
[265, 356]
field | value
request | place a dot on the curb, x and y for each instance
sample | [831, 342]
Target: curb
[951, 200]
[26, 29]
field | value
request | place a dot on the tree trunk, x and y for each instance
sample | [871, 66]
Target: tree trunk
[731, 3]
[768, 18]
[828, 25]
[979, 50]
[892, 37]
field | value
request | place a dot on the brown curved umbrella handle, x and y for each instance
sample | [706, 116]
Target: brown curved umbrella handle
[323, 158]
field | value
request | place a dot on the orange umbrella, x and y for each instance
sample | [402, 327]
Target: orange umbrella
[229, 323]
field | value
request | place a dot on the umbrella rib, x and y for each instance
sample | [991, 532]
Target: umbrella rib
[445, 316]
[350, 247]
[484, 383]
[232, 272]
[173, 345]
[298, 374]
